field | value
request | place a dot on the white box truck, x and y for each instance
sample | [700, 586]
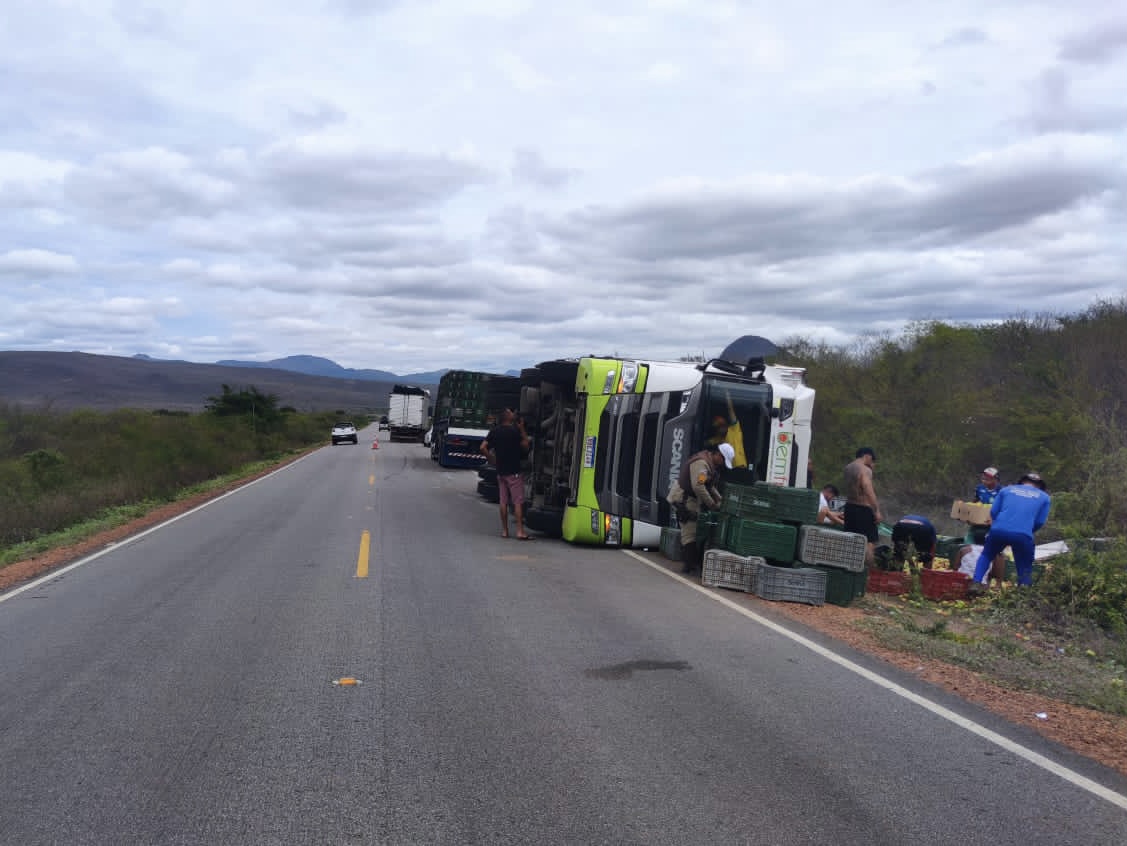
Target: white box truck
[408, 413]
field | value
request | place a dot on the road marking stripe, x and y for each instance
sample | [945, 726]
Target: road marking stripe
[362, 559]
[372, 480]
[54, 574]
[1035, 758]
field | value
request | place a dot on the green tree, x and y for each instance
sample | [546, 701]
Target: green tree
[260, 409]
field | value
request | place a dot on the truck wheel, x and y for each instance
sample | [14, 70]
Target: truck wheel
[545, 521]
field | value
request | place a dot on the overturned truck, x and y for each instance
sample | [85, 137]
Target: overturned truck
[609, 437]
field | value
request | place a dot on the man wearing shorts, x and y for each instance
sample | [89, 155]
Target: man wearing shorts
[862, 511]
[508, 444]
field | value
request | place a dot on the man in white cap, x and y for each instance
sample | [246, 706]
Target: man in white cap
[984, 493]
[695, 491]
[988, 488]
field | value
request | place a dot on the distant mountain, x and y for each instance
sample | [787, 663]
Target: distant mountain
[69, 380]
[313, 365]
[64, 381]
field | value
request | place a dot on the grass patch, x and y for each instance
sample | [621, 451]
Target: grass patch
[1011, 644]
[120, 515]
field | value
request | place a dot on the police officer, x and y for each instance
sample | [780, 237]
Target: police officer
[696, 490]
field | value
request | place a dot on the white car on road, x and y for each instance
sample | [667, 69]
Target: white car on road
[345, 433]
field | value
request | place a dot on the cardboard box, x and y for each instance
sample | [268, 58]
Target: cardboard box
[974, 513]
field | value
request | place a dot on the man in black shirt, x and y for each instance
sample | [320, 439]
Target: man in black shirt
[508, 443]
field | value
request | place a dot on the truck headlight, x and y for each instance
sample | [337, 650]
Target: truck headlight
[613, 526]
[629, 378]
[608, 384]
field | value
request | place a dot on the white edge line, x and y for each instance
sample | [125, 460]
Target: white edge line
[54, 574]
[1029, 755]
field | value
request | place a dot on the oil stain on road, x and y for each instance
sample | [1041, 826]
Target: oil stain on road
[617, 672]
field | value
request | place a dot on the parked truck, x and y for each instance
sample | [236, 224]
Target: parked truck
[408, 412]
[468, 404]
[609, 437]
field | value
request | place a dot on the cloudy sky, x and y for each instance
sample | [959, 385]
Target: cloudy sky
[415, 184]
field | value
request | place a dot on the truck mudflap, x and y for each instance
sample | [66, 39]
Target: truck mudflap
[460, 460]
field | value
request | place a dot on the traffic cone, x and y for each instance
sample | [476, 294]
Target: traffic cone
[376, 443]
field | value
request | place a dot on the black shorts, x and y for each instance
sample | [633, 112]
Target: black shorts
[861, 520]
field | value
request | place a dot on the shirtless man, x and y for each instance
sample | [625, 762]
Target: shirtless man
[862, 511]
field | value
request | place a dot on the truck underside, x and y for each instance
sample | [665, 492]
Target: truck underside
[549, 405]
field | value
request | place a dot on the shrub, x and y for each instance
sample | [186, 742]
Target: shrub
[1087, 584]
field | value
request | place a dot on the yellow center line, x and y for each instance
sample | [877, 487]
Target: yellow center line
[362, 559]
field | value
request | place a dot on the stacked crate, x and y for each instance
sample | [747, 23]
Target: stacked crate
[474, 399]
[788, 584]
[841, 555]
[728, 570]
[843, 586]
[671, 543]
[763, 520]
[773, 541]
[947, 546]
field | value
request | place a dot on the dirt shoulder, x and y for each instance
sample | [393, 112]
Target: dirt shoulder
[1101, 737]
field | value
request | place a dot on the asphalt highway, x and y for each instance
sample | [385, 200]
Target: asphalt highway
[347, 652]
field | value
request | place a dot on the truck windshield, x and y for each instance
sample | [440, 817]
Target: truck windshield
[738, 413]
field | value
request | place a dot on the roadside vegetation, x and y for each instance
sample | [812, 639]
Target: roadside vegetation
[1063, 638]
[938, 404]
[63, 476]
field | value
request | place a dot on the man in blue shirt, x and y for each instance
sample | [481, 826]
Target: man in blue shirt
[988, 488]
[985, 492]
[1018, 511]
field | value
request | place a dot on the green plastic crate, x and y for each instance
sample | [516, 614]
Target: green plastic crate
[791, 505]
[715, 529]
[771, 503]
[746, 501]
[948, 547]
[671, 543]
[774, 541]
[843, 586]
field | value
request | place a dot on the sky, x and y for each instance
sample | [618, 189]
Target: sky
[410, 185]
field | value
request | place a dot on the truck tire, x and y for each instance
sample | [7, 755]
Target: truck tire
[545, 521]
